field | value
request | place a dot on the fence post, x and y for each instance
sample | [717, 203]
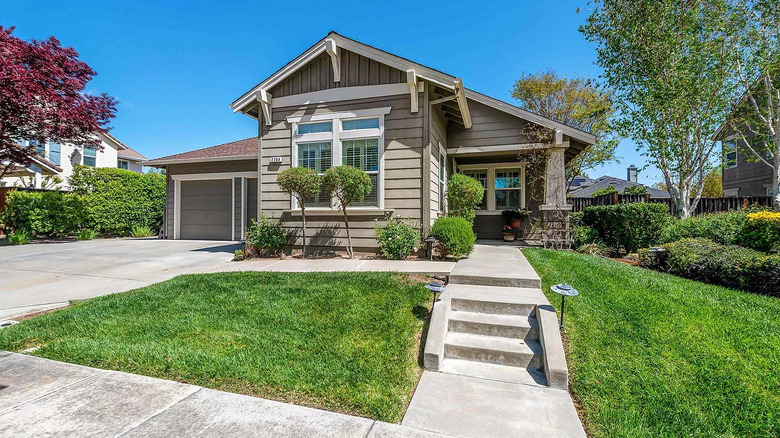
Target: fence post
[615, 198]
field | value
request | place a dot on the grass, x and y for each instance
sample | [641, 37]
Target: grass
[654, 355]
[346, 342]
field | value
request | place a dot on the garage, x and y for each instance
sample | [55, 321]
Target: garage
[206, 209]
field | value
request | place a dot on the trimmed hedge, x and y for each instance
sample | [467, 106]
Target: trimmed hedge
[761, 231]
[455, 235]
[117, 200]
[49, 213]
[625, 226]
[726, 265]
[758, 230]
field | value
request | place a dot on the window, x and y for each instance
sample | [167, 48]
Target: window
[40, 148]
[730, 154]
[508, 188]
[480, 175]
[318, 157]
[121, 164]
[54, 152]
[351, 125]
[353, 138]
[442, 181]
[90, 156]
[364, 154]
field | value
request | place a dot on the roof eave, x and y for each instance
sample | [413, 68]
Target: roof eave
[163, 162]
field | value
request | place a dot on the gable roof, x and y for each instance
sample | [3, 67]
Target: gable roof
[235, 150]
[131, 154]
[423, 72]
[46, 165]
[619, 184]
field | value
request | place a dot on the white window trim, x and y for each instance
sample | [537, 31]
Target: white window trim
[178, 178]
[336, 136]
[491, 183]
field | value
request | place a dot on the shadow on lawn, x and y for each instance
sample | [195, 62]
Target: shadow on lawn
[423, 314]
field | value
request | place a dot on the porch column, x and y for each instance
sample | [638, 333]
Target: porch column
[555, 180]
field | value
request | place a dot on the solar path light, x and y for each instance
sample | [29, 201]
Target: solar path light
[436, 288]
[564, 290]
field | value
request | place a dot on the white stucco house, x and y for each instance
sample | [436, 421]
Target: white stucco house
[60, 158]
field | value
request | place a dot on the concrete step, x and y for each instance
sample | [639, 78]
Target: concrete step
[507, 326]
[495, 306]
[489, 371]
[493, 349]
[490, 280]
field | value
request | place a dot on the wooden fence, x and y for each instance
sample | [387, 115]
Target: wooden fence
[705, 205]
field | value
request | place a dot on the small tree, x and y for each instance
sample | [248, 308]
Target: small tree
[347, 184]
[713, 185]
[464, 194]
[303, 184]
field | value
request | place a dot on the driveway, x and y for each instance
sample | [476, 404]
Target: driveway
[43, 275]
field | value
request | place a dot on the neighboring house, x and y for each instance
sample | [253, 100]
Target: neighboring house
[742, 174]
[406, 125]
[583, 187]
[59, 159]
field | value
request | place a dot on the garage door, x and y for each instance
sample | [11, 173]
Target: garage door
[205, 210]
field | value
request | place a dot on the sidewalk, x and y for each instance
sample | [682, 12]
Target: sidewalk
[421, 267]
[42, 397]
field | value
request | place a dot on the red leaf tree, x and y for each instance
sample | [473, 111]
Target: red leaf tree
[42, 98]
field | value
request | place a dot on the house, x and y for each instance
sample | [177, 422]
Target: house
[742, 174]
[59, 159]
[583, 187]
[407, 125]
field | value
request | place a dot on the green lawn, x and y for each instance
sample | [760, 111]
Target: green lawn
[346, 342]
[655, 355]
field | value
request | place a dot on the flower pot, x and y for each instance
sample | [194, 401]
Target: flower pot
[509, 237]
[515, 223]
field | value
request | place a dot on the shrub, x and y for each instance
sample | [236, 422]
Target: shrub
[239, 255]
[635, 190]
[605, 191]
[455, 236]
[595, 249]
[727, 265]
[397, 239]
[50, 213]
[628, 226]
[719, 227]
[761, 231]
[265, 236]
[18, 237]
[303, 184]
[347, 184]
[464, 194]
[585, 235]
[117, 199]
[141, 231]
[86, 234]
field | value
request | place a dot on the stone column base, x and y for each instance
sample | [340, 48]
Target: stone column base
[555, 232]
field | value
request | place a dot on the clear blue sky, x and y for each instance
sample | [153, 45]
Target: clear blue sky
[176, 65]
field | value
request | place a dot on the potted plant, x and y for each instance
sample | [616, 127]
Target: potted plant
[515, 217]
[508, 233]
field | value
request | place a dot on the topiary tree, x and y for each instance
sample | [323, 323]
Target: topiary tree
[464, 193]
[347, 184]
[303, 184]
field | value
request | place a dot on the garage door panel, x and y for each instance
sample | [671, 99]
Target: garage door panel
[206, 210]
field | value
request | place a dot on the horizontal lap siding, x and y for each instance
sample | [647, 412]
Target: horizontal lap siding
[491, 127]
[402, 152]
[356, 70]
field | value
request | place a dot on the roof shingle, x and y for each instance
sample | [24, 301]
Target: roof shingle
[241, 148]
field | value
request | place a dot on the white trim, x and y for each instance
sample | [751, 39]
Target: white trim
[472, 150]
[215, 175]
[197, 160]
[340, 115]
[176, 209]
[491, 183]
[243, 207]
[233, 208]
[463, 104]
[339, 94]
[411, 81]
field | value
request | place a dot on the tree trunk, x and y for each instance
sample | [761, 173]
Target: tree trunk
[349, 238]
[303, 218]
[776, 178]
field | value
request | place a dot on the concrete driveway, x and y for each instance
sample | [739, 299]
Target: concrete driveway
[42, 275]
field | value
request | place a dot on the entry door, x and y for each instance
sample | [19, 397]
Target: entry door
[206, 210]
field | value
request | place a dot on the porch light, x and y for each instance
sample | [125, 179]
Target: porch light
[564, 290]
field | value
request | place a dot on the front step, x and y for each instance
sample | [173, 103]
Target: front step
[495, 307]
[489, 371]
[493, 349]
[507, 326]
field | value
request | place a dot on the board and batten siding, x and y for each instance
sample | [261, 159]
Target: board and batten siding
[356, 70]
[490, 127]
[402, 173]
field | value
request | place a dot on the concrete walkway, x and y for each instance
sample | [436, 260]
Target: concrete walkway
[421, 267]
[41, 397]
[468, 404]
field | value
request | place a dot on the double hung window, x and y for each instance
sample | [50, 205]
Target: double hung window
[90, 156]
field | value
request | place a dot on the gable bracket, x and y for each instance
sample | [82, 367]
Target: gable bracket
[460, 94]
[335, 58]
[264, 98]
[411, 79]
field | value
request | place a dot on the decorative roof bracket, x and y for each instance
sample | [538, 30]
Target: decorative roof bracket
[335, 58]
[264, 98]
[411, 79]
[460, 94]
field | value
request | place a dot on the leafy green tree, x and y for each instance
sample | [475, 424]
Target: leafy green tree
[713, 185]
[577, 102]
[756, 116]
[303, 184]
[347, 184]
[635, 190]
[605, 191]
[667, 63]
[464, 194]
